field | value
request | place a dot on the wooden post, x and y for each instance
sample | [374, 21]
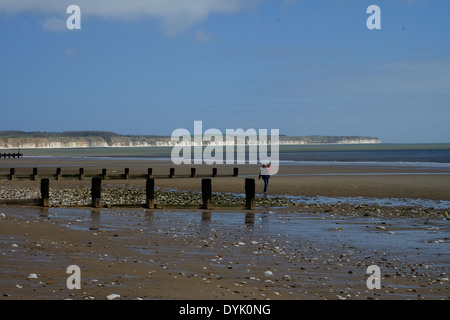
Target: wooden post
[250, 193]
[214, 172]
[150, 193]
[235, 172]
[172, 172]
[58, 173]
[12, 173]
[127, 173]
[149, 173]
[34, 175]
[96, 192]
[192, 172]
[45, 192]
[81, 175]
[103, 173]
[206, 193]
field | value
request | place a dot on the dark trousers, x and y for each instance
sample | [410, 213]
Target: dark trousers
[266, 182]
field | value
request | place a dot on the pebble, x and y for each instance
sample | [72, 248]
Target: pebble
[113, 296]
[268, 273]
[121, 195]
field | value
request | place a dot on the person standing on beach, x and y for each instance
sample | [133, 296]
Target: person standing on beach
[264, 173]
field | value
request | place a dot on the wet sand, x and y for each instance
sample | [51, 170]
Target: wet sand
[306, 252]
[144, 254]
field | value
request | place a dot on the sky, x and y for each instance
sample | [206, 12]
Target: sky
[305, 67]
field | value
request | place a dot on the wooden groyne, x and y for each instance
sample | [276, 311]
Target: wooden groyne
[105, 175]
[96, 197]
[11, 155]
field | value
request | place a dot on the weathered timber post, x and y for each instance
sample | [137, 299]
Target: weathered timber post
[127, 173]
[206, 193]
[235, 172]
[214, 172]
[58, 174]
[45, 192]
[81, 174]
[96, 192]
[172, 172]
[150, 193]
[103, 173]
[12, 173]
[149, 173]
[192, 172]
[34, 175]
[250, 193]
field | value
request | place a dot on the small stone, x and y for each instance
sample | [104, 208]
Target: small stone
[113, 296]
[268, 273]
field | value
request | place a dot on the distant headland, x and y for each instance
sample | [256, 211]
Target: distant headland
[99, 139]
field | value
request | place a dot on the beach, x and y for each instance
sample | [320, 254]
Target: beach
[308, 247]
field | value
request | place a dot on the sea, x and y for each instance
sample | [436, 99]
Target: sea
[434, 154]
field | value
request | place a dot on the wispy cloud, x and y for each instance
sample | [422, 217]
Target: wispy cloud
[54, 25]
[175, 15]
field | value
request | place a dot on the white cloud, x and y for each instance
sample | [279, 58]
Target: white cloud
[54, 25]
[175, 15]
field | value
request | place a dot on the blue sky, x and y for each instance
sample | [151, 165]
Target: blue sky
[301, 66]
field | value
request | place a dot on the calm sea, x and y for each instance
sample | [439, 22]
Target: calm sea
[400, 154]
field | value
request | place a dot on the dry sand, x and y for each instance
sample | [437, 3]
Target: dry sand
[312, 253]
